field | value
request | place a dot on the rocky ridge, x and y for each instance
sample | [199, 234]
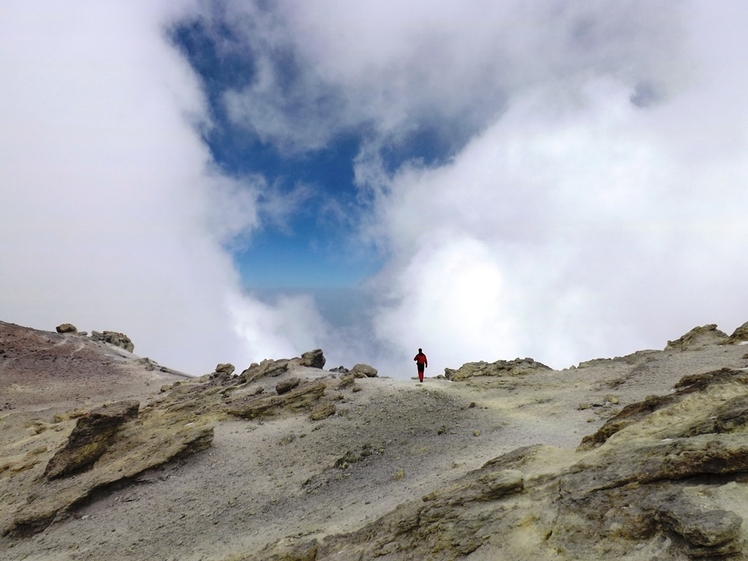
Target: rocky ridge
[288, 461]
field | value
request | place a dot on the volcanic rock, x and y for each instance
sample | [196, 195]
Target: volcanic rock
[740, 334]
[267, 368]
[91, 437]
[226, 367]
[300, 398]
[66, 328]
[313, 359]
[364, 371]
[516, 367]
[114, 338]
[698, 337]
[322, 411]
[287, 385]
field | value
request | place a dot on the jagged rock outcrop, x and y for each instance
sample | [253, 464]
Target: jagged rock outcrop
[66, 328]
[266, 368]
[339, 369]
[313, 359]
[226, 368]
[515, 367]
[731, 413]
[138, 443]
[91, 438]
[740, 334]
[698, 337]
[114, 338]
[364, 371]
[300, 398]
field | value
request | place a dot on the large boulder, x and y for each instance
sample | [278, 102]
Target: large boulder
[313, 359]
[364, 371]
[90, 438]
[66, 328]
[226, 368]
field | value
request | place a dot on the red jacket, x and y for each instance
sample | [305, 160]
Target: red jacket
[420, 358]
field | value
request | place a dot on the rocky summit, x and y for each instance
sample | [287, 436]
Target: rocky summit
[104, 454]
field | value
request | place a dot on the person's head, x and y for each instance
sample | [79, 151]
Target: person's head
[420, 350]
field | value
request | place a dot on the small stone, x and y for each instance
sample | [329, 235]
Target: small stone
[476, 433]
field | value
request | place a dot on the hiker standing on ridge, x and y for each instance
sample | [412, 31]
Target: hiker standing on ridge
[421, 362]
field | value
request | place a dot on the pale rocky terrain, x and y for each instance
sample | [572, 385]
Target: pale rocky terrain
[640, 457]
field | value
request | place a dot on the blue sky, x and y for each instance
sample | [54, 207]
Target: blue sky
[314, 246]
[238, 180]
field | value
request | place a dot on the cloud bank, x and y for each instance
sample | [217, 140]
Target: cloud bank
[112, 215]
[588, 198]
[591, 203]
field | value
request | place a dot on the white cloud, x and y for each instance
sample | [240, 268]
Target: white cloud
[608, 229]
[112, 216]
[324, 67]
[571, 224]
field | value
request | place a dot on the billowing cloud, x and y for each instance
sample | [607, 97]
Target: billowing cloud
[329, 66]
[592, 202]
[112, 215]
[587, 196]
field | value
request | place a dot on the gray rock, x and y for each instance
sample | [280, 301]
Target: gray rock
[313, 359]
[114, 338]
[516, 367]
[301, 398]
[90, 438]
[322, 411]
[698, 337]
[286, 386]
[364, 371]
[266, 369]
[226, 367]
[66, 328]
[740, 334]
[339, 370]
[346, 380]
[699, 526]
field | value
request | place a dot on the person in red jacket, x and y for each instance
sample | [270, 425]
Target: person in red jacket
[421, 362]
